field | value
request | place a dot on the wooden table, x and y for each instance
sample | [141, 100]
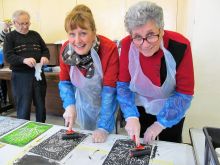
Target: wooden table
[53, 101]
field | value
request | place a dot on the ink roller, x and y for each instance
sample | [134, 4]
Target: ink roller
[139, 151]
[70, 134]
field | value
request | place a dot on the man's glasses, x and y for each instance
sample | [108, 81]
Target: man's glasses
[138, 40]
[23, 24]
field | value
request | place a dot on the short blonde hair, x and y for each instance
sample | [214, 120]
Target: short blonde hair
[80, 16]
[83, 8]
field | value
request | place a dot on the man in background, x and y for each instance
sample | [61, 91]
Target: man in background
[26, 52]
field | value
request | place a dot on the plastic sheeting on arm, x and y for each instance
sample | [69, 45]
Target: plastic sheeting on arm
[109, 104]
[67, 93]
[174, 109]
[126, 99]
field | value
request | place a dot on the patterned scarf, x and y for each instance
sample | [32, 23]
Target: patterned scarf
[82, 62]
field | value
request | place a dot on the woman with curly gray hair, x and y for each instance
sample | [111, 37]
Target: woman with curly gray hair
[156, 79]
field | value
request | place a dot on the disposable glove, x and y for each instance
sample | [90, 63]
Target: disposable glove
[38, 71]
[70, 116]
[152, 132]
[99, 135]
[133, 129]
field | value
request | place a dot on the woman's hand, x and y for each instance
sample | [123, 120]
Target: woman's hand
[133, 129]
[70, 116]
[99, 136]
[152, 132]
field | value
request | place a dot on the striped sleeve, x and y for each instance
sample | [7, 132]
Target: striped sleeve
[2, 36]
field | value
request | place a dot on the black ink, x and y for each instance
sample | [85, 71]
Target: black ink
[71, 136]
[9, 123]
[154, 152]
[56, 148]
[119, 154]
[90, 156]
[34, 160]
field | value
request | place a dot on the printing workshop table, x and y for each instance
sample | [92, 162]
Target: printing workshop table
[167, 153]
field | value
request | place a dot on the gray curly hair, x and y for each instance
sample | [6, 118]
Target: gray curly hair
[142, 12]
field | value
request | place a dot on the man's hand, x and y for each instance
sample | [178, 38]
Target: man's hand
[44, 60]
[70, 116]
[7, 25]
[31, 62]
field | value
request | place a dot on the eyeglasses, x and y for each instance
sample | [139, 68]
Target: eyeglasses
[23, 24]
[138, 40]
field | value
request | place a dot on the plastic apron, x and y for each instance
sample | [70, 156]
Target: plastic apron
[148, 95]
[88, 94]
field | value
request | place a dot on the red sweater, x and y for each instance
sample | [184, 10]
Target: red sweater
[151, 65]
[108, 54]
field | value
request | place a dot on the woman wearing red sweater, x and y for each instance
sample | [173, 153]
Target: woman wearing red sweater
[89, 70]
[156, 80]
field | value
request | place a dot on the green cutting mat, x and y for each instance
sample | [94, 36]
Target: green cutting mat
[25, 134]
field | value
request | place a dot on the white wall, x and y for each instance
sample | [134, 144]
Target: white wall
[203, 28]
[109, 15]
[47, 16]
